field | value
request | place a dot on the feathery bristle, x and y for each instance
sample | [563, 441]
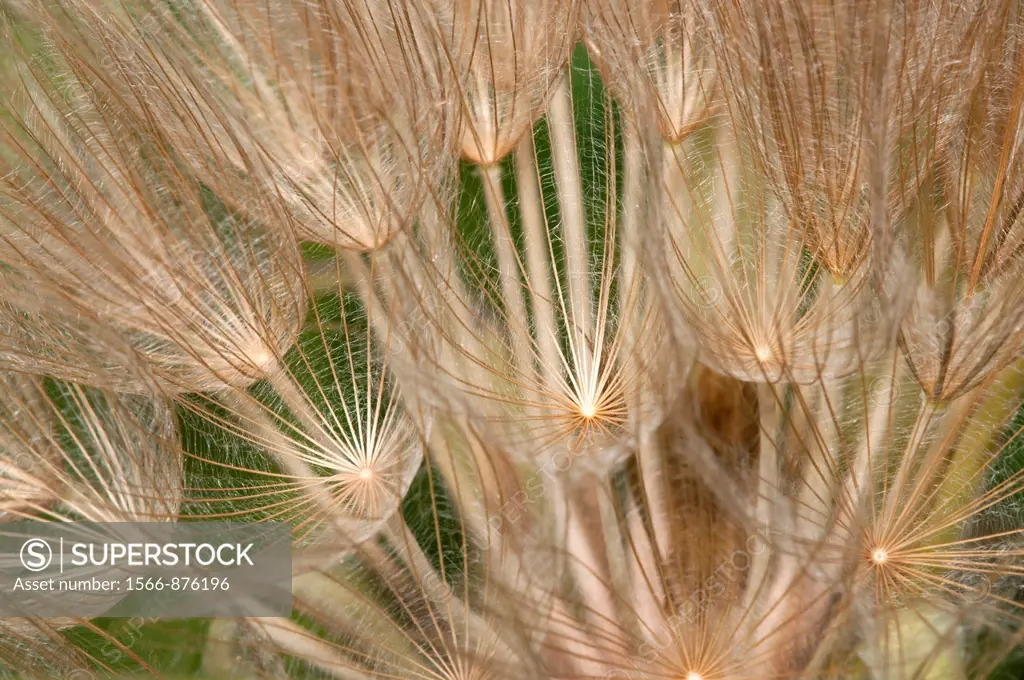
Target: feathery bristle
[507, 54]
[96, 206]
[336, 443]
[702, 363]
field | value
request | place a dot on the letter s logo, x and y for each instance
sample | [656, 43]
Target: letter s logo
[36, 554]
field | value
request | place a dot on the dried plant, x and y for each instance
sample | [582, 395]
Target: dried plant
[79, 453]
[99, 214]
[506, 54]
[959, 208]
[71, 453]
[335, 442]
[332, 107]
[654, 54]
[703, 362]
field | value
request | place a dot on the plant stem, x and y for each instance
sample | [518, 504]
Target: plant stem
[631, 311]
[508, 270]
[538, 271]
[570, 198]
[768, 482]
